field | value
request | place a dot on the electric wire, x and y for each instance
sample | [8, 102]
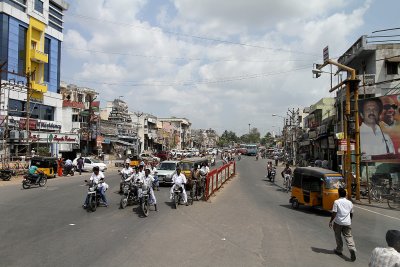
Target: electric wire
[190, 36]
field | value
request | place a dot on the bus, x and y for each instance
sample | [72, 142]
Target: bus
[251, 150]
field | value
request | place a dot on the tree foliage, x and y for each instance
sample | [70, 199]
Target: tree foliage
[251, 138]
[268, 140]
[227, 138]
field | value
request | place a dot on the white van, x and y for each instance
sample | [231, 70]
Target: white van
[166, 170]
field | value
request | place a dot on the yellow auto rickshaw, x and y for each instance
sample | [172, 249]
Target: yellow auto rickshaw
[134, 161]
[315, 187]
[48, 165]
[188, 164]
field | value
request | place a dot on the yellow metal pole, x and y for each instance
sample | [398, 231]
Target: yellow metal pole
[357, 136]
[348, 150]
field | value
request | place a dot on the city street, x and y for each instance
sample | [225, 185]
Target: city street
[249, 222]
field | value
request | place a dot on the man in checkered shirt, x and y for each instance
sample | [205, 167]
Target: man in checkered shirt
[389, 256]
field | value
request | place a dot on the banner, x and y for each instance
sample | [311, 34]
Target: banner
[380, 128]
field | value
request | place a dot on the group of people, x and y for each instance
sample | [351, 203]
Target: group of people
[147, 175]
[341, 218]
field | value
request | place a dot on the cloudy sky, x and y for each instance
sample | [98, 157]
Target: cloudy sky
[221, 64]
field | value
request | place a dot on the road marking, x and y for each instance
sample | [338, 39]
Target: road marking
[223, 239]
[379, 213]
[71, 224]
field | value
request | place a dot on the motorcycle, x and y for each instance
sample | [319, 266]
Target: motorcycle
[5, 175]
[129, 196]
[178, 196]
[30, 180]
[68, 170]
[144, 198]
[93, 197]
[272, 175]
[212, 161]
[124, 176]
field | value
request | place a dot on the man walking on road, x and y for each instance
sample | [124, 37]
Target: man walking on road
[389, 256]
[342, 214]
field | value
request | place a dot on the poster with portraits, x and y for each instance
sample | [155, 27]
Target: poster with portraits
[380, 128]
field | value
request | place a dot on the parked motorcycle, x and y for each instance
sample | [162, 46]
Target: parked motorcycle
[68, 170]
[30, 180]
[5, 174]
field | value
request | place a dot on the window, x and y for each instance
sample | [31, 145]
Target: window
[80, 97]
[38, 111]
[39, 6]
[47, 43]
[3, 40]
[392, 68]
[21, 49]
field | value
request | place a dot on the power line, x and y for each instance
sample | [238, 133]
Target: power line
[190, 36]
[183, 58]
[191, 82]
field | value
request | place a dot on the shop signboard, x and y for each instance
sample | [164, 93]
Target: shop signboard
[343, 145]
[59, 138]
[380, 128]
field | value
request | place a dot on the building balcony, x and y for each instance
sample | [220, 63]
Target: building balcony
[41, 87]
[39, 56]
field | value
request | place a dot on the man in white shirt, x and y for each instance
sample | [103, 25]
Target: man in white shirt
[179, 180]
[373, 140]
[97, 178]
[389, 256]
[148, 180]
[342, 213]
[125, 173]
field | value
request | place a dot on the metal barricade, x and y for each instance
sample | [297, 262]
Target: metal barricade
[216, 178]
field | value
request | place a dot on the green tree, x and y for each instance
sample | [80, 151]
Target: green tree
[251, 138]
[268, 140]
[227, 138]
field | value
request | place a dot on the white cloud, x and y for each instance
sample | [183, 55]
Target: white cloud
[230, 85]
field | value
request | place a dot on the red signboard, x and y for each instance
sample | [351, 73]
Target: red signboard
[32, 124]
[73, 104]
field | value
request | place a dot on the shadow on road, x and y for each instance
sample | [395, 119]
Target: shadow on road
[329, 251]
[309, 210]
[170, 204]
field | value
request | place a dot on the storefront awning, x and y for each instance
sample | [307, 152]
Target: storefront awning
[124, 143]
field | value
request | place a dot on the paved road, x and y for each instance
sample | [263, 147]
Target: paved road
[248, 223]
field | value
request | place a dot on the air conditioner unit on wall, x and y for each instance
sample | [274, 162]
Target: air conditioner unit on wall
[14, 134]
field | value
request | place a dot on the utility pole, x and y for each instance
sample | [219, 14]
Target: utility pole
[138, 115]
[28, 111]
[89, 123]
[351, 86]
[293, 115]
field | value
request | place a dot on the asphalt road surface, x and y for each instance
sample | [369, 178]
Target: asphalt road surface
[249, 222]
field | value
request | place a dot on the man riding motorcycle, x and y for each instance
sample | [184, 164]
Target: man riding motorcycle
[269, 169]
[125, 172]
[34, 173]
[148, 180]
[286, 171]
[98, 179]
[179, 180]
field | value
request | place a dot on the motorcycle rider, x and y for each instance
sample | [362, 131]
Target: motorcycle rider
[148, 180]
[269, 169]
[154, 172]
[125, 172]
[285, 171]
[68, 166]
[179, 180]
[98, 179]
[34, 173]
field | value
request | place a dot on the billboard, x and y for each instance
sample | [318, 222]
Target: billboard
[380, 128]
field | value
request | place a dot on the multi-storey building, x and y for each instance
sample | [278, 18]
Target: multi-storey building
[30, 54]
[177, 133]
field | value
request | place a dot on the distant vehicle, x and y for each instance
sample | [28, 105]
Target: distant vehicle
[89, 163]
[165, 171]
[163, 155]
[251, 150]
[148, 157]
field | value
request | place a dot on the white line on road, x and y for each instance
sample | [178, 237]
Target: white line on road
[72, 224]
[379, 213]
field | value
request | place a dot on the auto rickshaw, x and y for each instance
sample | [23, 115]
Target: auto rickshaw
[48, 165]
[134, 161]
[315, 187]
[188, 164]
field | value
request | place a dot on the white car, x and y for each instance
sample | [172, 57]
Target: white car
[89, 163]
[166, 170]
[149, 157]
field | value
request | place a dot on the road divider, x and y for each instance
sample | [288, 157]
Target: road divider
[216, 178]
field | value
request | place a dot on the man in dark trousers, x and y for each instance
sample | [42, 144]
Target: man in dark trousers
[342, 214]
[80, 164]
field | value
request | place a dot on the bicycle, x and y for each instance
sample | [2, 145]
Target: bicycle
[393, 200]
